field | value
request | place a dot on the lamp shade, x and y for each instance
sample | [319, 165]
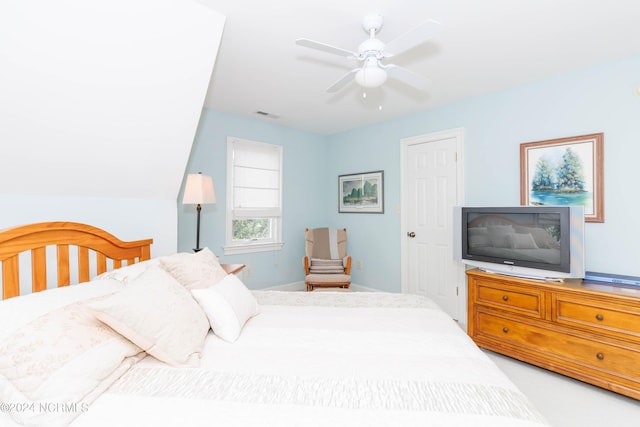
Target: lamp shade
[198, 190]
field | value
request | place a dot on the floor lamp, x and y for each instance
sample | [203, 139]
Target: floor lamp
[198, 191]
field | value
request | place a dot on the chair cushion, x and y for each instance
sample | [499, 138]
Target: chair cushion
[328, 278]
[326, 266]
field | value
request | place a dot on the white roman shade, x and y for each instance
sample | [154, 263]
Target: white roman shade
[254, 197]
[256, 179]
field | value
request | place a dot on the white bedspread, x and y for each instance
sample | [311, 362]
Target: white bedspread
[320, 359]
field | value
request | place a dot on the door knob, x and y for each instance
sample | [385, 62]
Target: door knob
[411, 234]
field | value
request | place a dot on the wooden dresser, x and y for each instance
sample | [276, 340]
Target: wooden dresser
[584, 330]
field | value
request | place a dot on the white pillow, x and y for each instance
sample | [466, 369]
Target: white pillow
[159, 315]
[228, 305]
[199, 270]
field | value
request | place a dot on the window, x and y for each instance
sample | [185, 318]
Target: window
[254, 196]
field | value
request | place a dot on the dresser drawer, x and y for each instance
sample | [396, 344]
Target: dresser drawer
[519, 300]
[597, 315]
[604, 356]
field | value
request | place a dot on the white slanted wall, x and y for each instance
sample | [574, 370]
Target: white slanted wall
[99, 105]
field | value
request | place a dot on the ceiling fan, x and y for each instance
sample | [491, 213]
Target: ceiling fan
[372, 72]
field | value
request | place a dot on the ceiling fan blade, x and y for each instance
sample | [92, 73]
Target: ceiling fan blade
[326, 48]
[408, 77]
[345, 80]
[412, 38]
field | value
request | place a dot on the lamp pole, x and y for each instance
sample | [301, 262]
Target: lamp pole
[198, 248]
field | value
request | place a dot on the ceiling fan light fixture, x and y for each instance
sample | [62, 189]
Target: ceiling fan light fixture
[372, 73]
[371, 76]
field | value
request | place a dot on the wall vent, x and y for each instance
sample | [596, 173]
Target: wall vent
[265, 114]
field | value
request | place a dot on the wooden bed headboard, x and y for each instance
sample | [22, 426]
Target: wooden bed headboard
[63, 235]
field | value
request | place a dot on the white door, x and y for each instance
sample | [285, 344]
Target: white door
[431, 187]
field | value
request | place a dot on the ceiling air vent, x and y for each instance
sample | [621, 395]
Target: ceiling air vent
[265, 114]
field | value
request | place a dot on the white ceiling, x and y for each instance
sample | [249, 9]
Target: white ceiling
[483, 46]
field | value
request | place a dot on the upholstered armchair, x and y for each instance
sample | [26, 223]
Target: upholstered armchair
[326, 263]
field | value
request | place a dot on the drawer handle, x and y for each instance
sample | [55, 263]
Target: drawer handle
[505, 329]
[505, 298]
[599, 317]
[600, 356]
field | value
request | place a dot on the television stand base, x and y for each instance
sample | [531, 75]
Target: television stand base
[524, 276]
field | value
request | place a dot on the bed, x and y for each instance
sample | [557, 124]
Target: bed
[174, 340]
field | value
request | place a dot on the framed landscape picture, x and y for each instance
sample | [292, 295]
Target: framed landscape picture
[361, 193]
[565, 171]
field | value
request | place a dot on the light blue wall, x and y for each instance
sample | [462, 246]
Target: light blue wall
[125, 218]
[304, 196]
[373, 239]
[597, 99]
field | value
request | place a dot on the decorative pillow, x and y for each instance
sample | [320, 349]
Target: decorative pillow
[326, 266]
[159, 315]
[228, 305]
[199, 270]
[521, 241]
[65, 356]
[129, 272]
[17, 312]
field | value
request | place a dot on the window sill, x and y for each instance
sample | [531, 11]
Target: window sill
[252, 247]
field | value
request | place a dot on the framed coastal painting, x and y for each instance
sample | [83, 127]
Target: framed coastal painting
[564, 171]
[361, 192]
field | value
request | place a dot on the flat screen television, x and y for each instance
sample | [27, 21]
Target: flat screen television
[540, 242]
